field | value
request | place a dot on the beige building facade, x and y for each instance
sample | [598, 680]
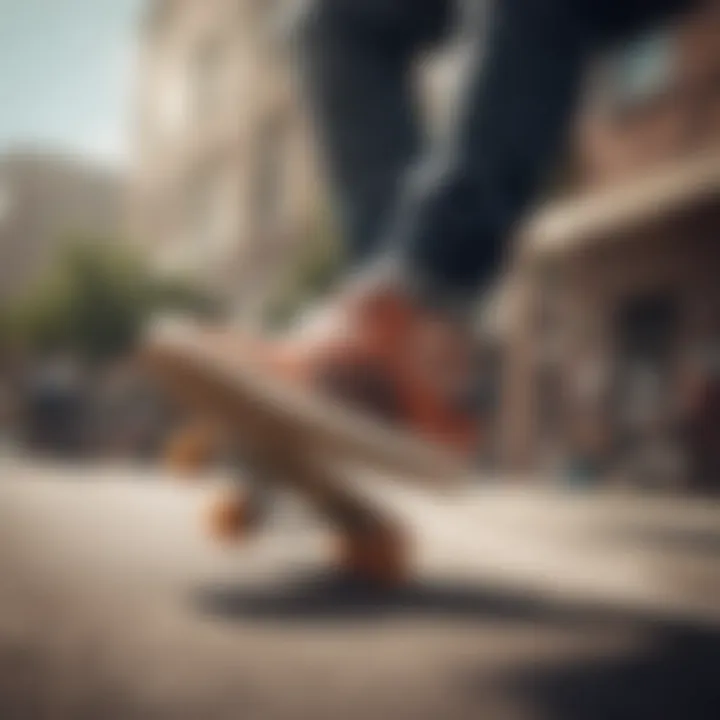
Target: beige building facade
[224, 184]
[48, 199]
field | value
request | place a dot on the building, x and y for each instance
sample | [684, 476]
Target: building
[223, 184]
[615, 292]
[44, 198]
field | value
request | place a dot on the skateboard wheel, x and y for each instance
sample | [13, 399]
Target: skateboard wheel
[229, 517]
[190, 450]
[379, 556]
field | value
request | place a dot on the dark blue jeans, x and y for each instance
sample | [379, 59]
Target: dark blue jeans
[448, 211]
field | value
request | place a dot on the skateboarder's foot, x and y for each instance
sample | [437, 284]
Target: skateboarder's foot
[378, 350]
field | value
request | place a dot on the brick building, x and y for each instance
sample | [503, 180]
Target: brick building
[615, 292]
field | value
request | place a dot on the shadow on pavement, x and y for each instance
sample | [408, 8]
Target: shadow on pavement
[327, 598]
[674, 676]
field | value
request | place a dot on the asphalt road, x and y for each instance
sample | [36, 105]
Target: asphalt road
[527, 604]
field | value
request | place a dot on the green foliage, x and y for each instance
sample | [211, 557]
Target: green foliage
[93, 300]
[313, 272]
[178, 295]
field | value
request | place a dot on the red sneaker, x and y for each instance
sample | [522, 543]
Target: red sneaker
[379, 352]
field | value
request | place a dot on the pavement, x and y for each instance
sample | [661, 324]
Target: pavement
[528, 602]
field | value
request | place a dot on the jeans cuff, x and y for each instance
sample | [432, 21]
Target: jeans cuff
[429, 290]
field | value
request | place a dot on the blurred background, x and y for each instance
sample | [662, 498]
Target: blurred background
[155, 157]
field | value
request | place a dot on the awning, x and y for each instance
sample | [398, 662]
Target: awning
[571, 223]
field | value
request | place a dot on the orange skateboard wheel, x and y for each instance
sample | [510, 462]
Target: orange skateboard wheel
[229, 517]
[190, 450]
[379, 555]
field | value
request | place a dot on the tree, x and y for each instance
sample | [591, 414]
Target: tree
[94, 301]
[316, 268]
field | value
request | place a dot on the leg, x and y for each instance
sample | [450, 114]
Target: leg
[460, 206]
[355, 61]
[516, 100]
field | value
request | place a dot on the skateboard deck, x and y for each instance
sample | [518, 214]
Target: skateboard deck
[235, 390]
[291, 438]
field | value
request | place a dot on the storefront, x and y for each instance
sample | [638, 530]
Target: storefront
[616, 320]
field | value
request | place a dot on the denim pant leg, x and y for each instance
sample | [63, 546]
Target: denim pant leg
[520, 86]
[355, 60]
[520, 89]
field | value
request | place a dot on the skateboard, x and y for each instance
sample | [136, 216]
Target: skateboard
[285, 437]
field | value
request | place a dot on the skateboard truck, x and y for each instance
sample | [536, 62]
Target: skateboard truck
[241, 509]
[191, 449]
[369, 545]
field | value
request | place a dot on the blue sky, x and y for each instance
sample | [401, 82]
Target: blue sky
[66, 74]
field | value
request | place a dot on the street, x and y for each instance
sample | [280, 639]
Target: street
[529, 602]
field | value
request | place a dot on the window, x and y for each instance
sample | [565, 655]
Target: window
[211, 216]
[207, 76]
[642, 70]
[647, 332]
[172, 100]
[157, 15]
[193, 85]
[265, 13]
[269, 174]
[6, 201]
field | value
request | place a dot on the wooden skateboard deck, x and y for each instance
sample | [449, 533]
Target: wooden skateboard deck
[235, 390]
[293, 439]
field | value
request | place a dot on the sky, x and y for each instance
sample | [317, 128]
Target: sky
[66, 75]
